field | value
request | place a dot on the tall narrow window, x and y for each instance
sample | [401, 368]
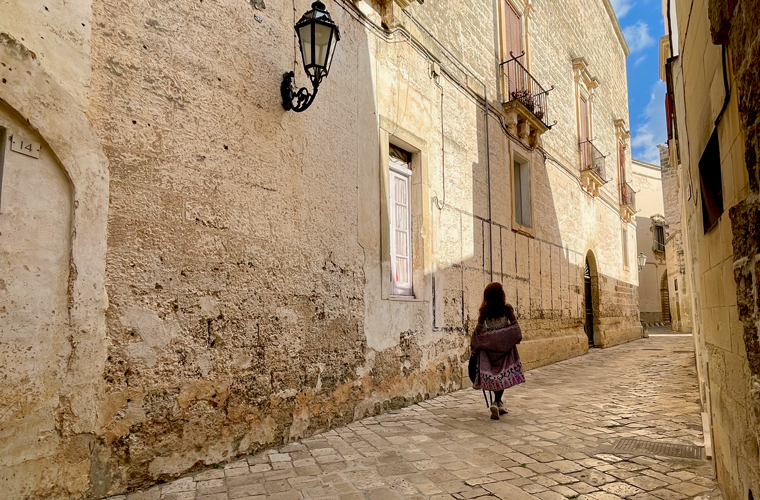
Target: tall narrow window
[400, 221]
[659, 238]
[584, 132]
[621, 162]
[624, 246]
[521, 192]
[711, 183]
[511, 31]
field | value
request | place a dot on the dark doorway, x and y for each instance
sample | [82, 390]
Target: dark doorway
[589, 305]
[665, 298]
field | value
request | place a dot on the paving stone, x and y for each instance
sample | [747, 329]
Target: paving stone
[151, 494]
[682, 475]
[582, 488]
[286, 495]
[506, 491]
[668, 495]
[209, 474]
[565, 491]
[621, 489]
[647, 483]
[593, 477]
[688, 489]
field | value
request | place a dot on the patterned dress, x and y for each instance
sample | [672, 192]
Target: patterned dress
[497, 370]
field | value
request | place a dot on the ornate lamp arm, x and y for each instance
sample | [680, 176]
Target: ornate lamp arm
[302, 96]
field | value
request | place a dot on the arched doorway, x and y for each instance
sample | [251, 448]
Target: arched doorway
[665, 298]
[591, 301]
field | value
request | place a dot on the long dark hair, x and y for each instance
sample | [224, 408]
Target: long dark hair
[495, 304]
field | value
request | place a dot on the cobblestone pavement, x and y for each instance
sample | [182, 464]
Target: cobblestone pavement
[555, 443]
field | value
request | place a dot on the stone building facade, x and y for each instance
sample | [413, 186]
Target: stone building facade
[650, 240]
[190, 272]
[713, 72]
[678, 287]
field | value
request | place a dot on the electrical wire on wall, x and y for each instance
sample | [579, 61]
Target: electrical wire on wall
[441, 203]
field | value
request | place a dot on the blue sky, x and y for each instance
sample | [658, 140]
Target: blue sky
[643, 26]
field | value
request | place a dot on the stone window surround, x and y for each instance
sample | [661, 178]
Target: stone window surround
[585, 87]
[623, 136]
[517, 149]
[402, 138]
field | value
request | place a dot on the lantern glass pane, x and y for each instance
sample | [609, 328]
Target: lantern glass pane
[331, 53]
[304, 37]
[321, 44]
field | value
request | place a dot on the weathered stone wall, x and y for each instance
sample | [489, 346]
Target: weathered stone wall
[247, 254]
[744, 44]
[724, 311]
[678, 285]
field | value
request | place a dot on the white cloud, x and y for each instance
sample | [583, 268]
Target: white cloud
[639, 60]
[622, 7]
[654, 129]
[638, 37]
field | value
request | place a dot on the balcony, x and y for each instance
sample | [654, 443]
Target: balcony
[593, 170]
[627, 201]
[525, 101]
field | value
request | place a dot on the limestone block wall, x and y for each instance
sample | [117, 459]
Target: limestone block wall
[247, 254]
[720, 258]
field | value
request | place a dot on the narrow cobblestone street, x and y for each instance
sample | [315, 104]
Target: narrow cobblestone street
[556, 442]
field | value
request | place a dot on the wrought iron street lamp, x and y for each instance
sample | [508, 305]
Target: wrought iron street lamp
[642, 260]
[317, 36]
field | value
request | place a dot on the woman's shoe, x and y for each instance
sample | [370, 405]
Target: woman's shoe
[494, 412]
[500, 406]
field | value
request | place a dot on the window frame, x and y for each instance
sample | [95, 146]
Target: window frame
[710, 176]
[659, 246]
[522, 11]
[585, 87]
[397, 171]
[525, 163]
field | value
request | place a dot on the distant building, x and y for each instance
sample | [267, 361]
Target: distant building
[675, 283]
[650, 240]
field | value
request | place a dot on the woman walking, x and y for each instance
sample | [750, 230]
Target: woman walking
[494, 347]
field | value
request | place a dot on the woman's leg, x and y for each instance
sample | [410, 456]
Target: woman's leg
[497, 396]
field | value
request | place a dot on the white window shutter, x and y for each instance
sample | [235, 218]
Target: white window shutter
[400, 229]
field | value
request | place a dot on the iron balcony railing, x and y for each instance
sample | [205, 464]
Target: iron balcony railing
[520, 86]
[592, 159]
[627, 196]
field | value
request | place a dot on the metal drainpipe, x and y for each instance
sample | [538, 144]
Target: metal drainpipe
[488, 167]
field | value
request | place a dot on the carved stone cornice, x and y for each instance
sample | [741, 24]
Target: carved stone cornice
[582, 75]
[621, 130]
